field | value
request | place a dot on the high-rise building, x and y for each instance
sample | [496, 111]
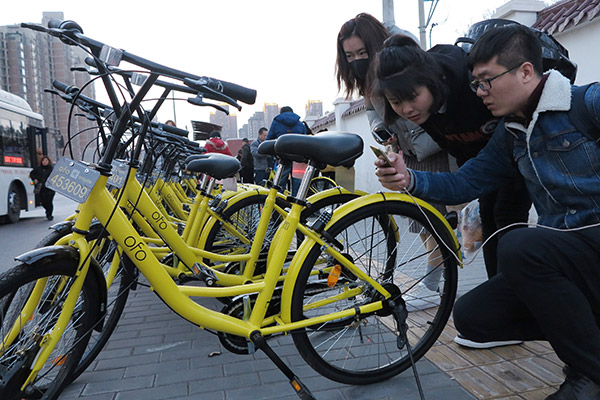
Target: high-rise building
[256, 122]
[271, 110]
[228, 122]
[314, 108]
[29, 62]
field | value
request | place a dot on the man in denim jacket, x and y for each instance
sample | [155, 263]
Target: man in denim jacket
[549, 282]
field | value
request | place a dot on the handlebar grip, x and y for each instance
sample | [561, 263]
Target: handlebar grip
[34, 27]
[64, 87]
[233, 90]
[174, 130]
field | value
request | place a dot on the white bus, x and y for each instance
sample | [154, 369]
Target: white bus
[19, 126]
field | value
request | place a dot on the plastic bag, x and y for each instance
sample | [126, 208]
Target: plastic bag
[470, 227]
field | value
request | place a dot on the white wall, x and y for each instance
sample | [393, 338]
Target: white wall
[582, 42]
[364, 170]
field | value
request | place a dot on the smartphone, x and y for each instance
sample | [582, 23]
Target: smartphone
[381, 154]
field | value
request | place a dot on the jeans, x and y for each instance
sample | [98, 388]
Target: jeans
[285, 177]
[505, 206]
[260, 176]
[548, 288]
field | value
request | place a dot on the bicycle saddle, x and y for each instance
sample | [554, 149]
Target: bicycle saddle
[333, 148]
[267, 148]
[216, 165]
[193, 157]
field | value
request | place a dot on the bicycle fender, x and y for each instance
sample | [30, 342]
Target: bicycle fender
[63, 227]
[333, 191]
[44, 255]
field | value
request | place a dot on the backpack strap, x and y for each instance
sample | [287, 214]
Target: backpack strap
[580, 115]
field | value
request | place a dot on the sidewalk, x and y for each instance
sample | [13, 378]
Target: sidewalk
[154, 354]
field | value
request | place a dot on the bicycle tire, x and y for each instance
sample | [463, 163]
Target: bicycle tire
[244, 216]
[319, 184]
[117, 294]
[334, 349]
[16, 285]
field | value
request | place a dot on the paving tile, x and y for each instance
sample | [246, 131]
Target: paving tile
[155, 393]
[540, 394]
[542, 368]
[446, 358]
[480, 384]
[120, 385]
[514, 378]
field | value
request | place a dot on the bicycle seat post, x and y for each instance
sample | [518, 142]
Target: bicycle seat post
[310, 172]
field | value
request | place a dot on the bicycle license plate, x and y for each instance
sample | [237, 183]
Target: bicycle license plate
[72, 179]
[119, 172]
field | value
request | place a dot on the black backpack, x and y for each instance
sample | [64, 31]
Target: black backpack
[554, 55]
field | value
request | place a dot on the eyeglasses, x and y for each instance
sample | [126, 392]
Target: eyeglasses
[486, 84]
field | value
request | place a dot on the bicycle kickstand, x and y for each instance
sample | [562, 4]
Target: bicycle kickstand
[299, 387]
[400, 314]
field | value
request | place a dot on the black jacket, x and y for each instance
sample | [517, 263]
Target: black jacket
[466, 125]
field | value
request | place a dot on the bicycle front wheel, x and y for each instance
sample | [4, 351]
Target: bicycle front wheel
[31, 300]
[402, 247]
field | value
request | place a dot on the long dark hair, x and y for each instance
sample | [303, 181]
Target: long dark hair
[373, 34]
[400, 68]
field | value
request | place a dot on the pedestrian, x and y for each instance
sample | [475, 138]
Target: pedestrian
[287, 122]
[431, 89]
[358, 42]
[548, 287]
[39, 175]
[247, 162]
[262, 163]
[216, 145]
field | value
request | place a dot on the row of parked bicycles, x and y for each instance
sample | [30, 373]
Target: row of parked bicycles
[341, 272]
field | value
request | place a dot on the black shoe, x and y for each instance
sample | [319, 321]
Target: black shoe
[576, 387]
[49, 217]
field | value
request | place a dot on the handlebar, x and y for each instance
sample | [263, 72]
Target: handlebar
[70, 32]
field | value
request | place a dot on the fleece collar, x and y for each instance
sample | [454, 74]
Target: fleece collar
[556, 96]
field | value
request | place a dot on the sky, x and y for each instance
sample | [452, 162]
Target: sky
[284, 49]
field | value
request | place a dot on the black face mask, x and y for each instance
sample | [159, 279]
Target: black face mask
[360, 67]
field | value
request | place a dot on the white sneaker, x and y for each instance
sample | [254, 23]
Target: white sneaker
[461, 340]
[421, 298]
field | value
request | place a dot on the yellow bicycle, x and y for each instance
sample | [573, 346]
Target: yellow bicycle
[349, 296]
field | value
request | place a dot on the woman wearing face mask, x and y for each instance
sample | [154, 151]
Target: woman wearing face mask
[432, 89]
[358, 42]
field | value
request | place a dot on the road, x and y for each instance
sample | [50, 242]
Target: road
[18, 238]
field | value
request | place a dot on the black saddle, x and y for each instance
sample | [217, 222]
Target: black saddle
[193, 157]
[326, 148]
[216, 165]
[267, 148]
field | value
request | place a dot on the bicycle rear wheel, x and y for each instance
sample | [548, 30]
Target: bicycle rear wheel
[393, 242]
[48, 285]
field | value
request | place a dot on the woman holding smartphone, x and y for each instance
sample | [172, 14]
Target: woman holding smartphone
[432, 89]
[358, 42]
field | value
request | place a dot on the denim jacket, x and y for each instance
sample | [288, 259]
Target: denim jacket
[561, 166]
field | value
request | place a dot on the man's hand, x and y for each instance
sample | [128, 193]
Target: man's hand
[394, 177]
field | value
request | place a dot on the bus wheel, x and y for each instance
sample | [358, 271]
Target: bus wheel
[14, 204]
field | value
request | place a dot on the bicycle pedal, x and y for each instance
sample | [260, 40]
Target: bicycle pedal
[205, 274]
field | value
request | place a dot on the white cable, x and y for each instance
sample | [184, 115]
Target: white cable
[528, 224]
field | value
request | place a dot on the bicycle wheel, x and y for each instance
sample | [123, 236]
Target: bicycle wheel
[319, 184]
[243, 216]
[388, 242]
[19, 350]
[120, 283]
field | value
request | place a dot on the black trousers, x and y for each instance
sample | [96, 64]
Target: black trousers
[507, 205]
[46, 198]
[548, 288]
